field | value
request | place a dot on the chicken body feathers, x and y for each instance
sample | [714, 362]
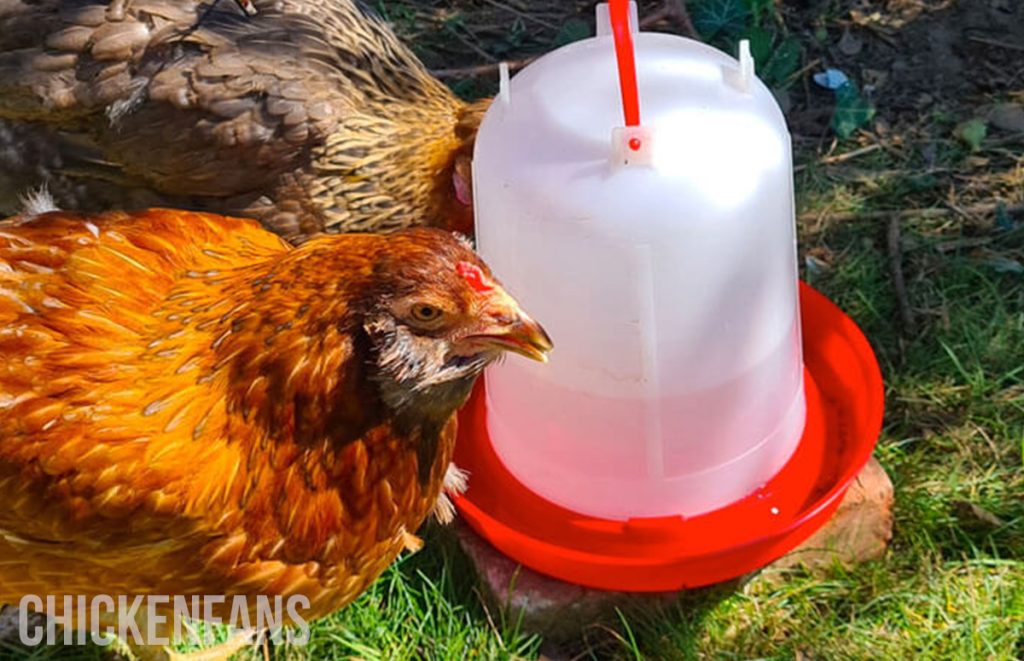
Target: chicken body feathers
[150, 441]
[310, 116]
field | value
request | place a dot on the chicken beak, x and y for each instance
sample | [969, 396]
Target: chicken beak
[527, 338]
[514, 330]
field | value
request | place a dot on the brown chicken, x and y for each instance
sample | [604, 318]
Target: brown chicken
[309, 115]
[189, 405]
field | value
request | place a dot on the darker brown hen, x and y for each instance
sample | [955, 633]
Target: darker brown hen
[309, 116]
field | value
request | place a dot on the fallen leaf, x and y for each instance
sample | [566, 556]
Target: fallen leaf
[572, 30]
[784, 61]
[875, 77]
[930, 154]
[831, 79]
[823, 254]
[1003, 219]
[976, 515]
[719, 18]
[816, 268]
[972, 133]
[850, 44]
[1004, 265]
[860, 18]
[852, 111]
[1008, 117]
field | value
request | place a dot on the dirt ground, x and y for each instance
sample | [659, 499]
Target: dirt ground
[912, 57]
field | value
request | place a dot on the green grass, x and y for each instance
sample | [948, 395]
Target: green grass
[425, 607]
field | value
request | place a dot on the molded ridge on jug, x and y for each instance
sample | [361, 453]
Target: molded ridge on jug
[671, 288]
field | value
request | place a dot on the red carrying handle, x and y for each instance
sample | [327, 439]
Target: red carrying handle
[618, 11]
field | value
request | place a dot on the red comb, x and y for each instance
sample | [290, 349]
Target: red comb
[474, 276]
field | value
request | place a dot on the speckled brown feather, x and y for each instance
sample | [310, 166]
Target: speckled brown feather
[309, 116]
[183, 411]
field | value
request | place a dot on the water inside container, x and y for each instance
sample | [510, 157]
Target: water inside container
[567, 437]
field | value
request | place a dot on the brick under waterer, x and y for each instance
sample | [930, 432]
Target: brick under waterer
[859, 531]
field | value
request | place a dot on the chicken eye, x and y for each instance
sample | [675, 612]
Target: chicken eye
[426, 314]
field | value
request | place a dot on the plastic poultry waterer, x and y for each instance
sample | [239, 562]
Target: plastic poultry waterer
[634, 191]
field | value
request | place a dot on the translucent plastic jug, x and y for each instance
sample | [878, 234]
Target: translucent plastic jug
[662, 261]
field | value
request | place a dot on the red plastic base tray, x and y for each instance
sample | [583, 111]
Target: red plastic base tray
[844, 417]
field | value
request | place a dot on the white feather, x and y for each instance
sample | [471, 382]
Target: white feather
[37, 201]
[456, 481]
